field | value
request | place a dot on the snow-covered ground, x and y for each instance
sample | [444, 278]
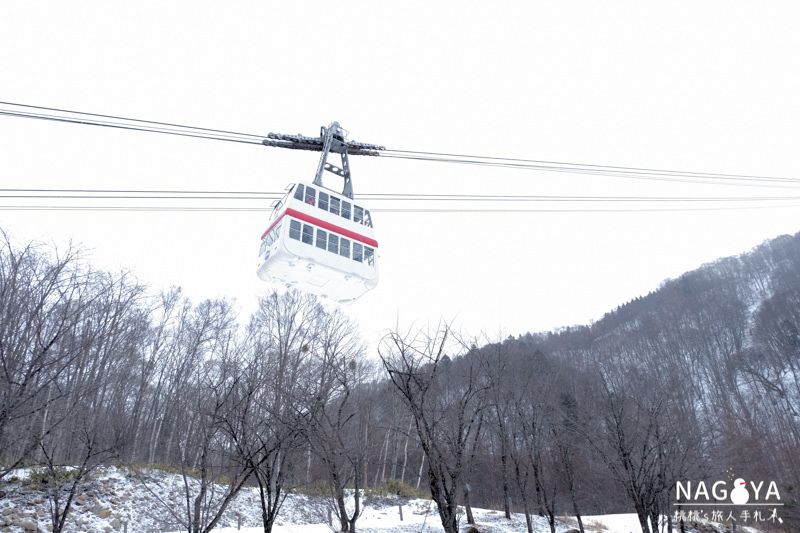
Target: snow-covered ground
[119, 500]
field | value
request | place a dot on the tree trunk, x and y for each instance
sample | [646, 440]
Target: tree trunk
[419, 475]
[506, 489]
[405, 454]
[468, 506]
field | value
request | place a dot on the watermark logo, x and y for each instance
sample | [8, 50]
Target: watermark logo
[753, 500]
[697, 493]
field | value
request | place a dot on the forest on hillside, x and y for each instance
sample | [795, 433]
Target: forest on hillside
[696, 382]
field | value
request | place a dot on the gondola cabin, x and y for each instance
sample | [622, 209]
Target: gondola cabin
[321, 242]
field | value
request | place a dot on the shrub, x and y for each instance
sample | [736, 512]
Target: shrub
[41, 478]
[314, 490]
[392, 490]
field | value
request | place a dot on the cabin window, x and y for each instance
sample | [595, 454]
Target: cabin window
[335, 202]
[277, 232]
[346, 209]
[311, 195]
[323, 200]
[322, 239]
[333, 243]
[263, 247]
[294, 229]
[308, 234]
[272, 236]
[298, 192]
[362, 216]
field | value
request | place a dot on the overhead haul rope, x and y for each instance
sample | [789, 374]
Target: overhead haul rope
[578, 168]
[94, 119]
[75, 117]
[62, 115]
[117, 194]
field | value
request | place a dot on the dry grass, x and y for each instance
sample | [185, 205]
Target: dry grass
[595, 525]
[588, 525]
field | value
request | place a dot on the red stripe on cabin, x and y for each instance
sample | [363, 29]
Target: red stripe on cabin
[324, 225]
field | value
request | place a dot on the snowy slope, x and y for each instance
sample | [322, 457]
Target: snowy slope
[142, 502]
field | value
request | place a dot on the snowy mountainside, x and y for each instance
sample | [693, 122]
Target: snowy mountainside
[118, 500]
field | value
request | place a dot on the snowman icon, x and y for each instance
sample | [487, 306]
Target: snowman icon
[739, 494]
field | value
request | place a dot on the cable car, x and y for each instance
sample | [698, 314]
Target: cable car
[320, 241]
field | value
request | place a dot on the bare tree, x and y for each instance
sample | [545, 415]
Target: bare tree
[446, 398]
[97, 383]
[529, 385]
[638, 435]
[61, 482]
[93, 405]
[205, 386]
[333, 431]
[42, 299]
[149, 379]
[276, 389]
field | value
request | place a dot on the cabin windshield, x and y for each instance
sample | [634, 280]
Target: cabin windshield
[278, 204]
[270, 238]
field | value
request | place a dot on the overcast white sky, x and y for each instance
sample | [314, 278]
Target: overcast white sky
[682, 85]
